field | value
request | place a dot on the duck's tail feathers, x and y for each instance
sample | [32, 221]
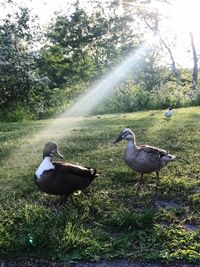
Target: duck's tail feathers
[168, 157]
[93, 172]
[173, 157]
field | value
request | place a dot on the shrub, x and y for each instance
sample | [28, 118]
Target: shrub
[128, 98]
[15, 113]
[169, 94]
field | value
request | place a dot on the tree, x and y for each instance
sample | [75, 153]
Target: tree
[151, 19]
[82, 46]
[156, 31]
[149, 74]
[16, 61]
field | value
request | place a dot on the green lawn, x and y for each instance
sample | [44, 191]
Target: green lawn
[111, 219]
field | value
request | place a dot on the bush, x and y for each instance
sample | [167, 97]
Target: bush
[170, 94]
[128, 98]
[47, 102]
[15, 113]
[196, 100]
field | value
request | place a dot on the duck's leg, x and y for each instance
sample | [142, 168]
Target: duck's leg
[63, 199]
[59, 203]
[140, 185]
[142, 179]
[158, 179]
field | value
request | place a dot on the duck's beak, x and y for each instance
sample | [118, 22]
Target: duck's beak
[57, 154]
[118, 139]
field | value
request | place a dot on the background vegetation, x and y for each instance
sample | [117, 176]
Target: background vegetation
[43, 69]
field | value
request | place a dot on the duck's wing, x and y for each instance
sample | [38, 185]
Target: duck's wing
[74, 175]
[67, 168]
[153, 150]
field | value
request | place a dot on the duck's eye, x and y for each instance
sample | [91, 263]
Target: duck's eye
[125, 134]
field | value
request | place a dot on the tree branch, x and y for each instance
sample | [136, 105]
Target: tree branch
[156, 32]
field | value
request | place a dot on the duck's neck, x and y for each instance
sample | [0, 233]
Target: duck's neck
[130, 151]
[45, 165]
[131, 144]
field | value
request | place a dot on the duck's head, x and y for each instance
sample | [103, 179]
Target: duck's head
[126, 133]
[51, 149]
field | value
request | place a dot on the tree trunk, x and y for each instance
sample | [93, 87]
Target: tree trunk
[195, 67]
[173, 64]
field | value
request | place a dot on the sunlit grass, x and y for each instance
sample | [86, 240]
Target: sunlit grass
[110, 219]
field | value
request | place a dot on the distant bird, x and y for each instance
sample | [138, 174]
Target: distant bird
[168, 113]
[61, 178]
[143, 158]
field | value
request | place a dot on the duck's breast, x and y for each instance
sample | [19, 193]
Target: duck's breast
[45, 165]
[48, 182]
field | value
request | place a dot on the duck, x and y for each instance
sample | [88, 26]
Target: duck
[61, 178]
[168, 112]
[143, 158]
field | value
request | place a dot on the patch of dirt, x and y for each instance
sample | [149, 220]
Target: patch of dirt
[167, 204]
[190, 227]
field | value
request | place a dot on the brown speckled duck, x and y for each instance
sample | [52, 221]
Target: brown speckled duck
[143, 158]
[61, 178]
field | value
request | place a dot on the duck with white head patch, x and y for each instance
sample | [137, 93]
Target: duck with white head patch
[143, 158]
[168, 112]
[61, 178]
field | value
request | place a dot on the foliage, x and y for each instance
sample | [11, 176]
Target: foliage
[15, 59]
[83, 46]
[112, 218]
[16, 112]
[77, 49]
[170, 94]
[148, 74]
[196, 98]
[131, 97]
[23, 94]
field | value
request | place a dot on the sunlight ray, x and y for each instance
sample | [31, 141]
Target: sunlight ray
[61, 126]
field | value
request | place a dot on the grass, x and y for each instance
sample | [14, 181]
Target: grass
[111, 219]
